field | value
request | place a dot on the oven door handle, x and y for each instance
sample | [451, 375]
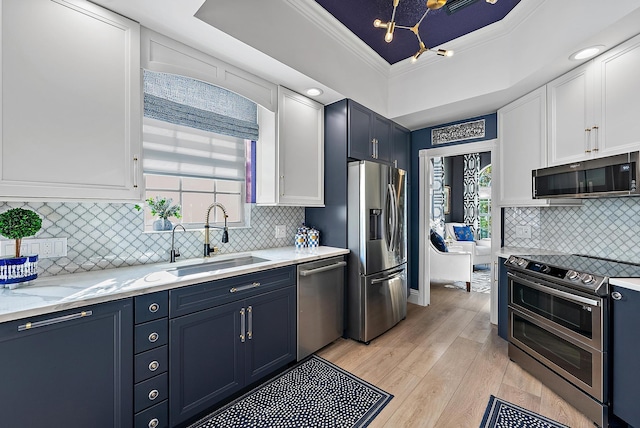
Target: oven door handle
[553, 291]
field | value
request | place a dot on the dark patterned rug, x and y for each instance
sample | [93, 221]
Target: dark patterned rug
[313, 393]
[502, 414]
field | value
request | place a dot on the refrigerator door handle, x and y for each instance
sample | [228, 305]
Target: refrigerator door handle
[390, 219]
[386, 278]
[396, 225]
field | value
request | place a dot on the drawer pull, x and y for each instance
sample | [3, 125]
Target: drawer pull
[153, 308]
[31, 325]
[153, 366]
[153, 394]
[244, 287]
[153, 423]
[153, 337]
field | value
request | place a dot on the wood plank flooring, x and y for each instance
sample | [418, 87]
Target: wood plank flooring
[442, 363]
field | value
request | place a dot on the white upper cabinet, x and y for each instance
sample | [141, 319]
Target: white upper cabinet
[522, 130]
[70, 102]
[617, 101]
[522, 141]
[299, 154]
[570, 109]
[593, 109]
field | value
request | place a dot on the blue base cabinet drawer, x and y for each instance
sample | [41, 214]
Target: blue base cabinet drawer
[151, 335]
[150, 392]
[151, 307]
[154, 417]
[150, 363]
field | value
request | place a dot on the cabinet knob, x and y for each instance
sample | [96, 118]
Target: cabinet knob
[616, 295]
[153, 394]
[153, 337]
[153, 366]
[154, 307]
[153, 423]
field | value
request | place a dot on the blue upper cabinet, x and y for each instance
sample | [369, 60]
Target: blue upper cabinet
[369, 134]
[401, 141]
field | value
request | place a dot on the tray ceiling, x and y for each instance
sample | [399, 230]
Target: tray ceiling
[437, 29]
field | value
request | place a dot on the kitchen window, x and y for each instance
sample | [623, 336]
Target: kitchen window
[196, 137]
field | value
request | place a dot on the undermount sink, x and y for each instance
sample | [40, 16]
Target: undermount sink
[214, 265]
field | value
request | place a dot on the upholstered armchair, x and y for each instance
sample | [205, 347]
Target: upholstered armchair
[481, 250]
[450, 265]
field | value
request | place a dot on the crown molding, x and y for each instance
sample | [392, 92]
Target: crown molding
[326, 22]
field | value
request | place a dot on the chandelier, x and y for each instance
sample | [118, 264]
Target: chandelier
[391, 26]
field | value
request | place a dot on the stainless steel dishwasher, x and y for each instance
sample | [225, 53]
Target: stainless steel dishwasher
[320, 304]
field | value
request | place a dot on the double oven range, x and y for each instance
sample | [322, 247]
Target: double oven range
[559, 325]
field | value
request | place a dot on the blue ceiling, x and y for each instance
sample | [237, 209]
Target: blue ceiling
[437, 28]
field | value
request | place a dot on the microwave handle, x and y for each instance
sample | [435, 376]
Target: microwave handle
[553, 291]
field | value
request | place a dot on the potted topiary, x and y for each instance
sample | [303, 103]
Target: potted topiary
[162, 208]
[18, 223]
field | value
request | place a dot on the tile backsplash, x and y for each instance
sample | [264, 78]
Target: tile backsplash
[109, 235]
[606, 227]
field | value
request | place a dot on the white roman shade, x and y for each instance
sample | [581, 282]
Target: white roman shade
[195, 129]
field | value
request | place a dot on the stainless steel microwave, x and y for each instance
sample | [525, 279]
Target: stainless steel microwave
[603, 177]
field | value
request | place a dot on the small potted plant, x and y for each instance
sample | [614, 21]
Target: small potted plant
[162, 208]
[18, 223]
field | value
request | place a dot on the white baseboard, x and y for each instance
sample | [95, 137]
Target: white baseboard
[413, 296]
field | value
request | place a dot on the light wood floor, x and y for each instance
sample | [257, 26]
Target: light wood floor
[442, 363]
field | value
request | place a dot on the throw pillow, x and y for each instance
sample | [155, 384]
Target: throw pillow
[463, 233]
[438, 242]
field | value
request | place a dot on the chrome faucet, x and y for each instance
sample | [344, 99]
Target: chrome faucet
[174, 251]
[225, 231]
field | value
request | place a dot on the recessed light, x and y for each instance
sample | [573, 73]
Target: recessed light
[314, 92]
[586, 53]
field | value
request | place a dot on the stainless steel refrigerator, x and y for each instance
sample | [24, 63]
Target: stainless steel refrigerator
[377, 238]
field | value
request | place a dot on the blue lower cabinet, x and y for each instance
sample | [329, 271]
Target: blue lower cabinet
[625, 315]
[69, 369]
[216, 352]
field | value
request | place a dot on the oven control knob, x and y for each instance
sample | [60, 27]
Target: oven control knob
[588, 279]
[522, 262]
[572, 275]
[512, 260]
[545, 269]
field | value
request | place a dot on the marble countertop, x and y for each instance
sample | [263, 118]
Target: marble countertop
[56, 293]
[629, 283]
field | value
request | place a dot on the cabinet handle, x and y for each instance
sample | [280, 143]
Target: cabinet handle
[595, 137]
[377, 146]
[587, 140]
[154, 307]
[51, 321]
[153, 337]
[242, 325]
[153, 366]
[244, 287]
[153, 394]
[135, 172]
[495, 271]
[153, 423]
[250, 329]
[282, 185]
[616, 295]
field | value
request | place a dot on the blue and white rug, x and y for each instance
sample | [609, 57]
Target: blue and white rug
[313, 393]
[502, 414]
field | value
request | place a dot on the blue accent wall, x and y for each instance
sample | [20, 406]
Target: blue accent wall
[421, 139]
